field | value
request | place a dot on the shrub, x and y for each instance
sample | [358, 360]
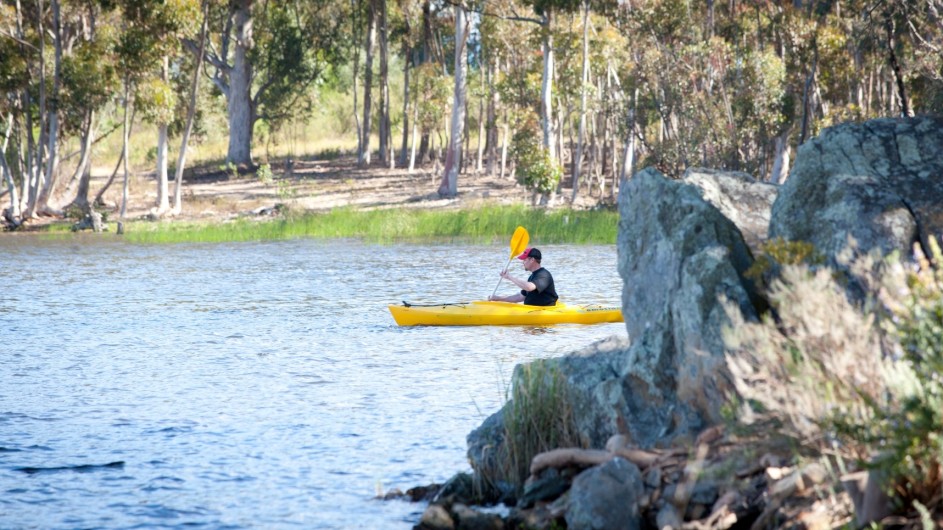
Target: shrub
[862, 378]
[534, 167]
[264, 173]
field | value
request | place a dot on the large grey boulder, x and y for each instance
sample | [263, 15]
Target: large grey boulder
[678, 256]
[741, 198]
[879, 182]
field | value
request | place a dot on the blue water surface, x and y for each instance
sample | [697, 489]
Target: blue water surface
[251, 385]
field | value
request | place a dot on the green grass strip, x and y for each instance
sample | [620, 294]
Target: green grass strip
[480, 225]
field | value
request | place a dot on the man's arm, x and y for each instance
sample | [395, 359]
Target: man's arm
[514, 298]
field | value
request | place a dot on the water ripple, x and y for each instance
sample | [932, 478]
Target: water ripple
[252, 385]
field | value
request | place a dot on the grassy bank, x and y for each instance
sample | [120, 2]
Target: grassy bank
[485, 224]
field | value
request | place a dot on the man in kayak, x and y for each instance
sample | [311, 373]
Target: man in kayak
[537, 289]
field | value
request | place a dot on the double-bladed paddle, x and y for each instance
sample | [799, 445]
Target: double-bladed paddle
[518, 244]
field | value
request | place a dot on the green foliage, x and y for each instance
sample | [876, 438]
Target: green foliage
[906, 431]
[264, 173]
[432, 93]
[294, 46]
[89, 79]
[489, 224]
[156, 100]
[534, 167]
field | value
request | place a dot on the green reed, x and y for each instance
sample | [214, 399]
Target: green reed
[484, 224]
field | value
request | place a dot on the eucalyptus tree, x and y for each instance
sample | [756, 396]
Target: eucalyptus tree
[149, 33]
[385, 133]
[49, 107]
[31, 25]
[363, 148]
[14, 89]
[546, 9]
[190, 114]
[448, 185]
[266, 57]
[89, 79]
[56, 99]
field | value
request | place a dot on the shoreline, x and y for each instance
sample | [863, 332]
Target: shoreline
[310, 186]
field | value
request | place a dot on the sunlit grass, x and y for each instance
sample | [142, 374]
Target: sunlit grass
[486, 224]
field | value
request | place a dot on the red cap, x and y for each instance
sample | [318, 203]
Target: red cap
[530, 253]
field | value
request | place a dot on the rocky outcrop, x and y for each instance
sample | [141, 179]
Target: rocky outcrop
[879, 182]
[740, 197]
[681, 252]
[678, 257]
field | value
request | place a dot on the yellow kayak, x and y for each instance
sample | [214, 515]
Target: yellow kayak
[483, 313]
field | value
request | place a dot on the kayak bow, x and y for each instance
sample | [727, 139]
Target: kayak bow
[483, 313]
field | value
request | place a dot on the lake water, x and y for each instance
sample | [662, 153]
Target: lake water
[252, 385]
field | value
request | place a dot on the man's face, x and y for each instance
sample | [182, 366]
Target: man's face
[530, 264]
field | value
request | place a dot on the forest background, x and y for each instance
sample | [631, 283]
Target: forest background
[560, 93]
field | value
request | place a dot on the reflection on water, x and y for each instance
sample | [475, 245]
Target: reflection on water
[252, 384]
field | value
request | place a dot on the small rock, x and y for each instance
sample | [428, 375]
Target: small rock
[435, 518]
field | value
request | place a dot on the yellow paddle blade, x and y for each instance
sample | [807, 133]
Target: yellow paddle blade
[519, 241]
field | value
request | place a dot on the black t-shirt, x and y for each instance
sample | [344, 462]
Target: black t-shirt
[545, 293]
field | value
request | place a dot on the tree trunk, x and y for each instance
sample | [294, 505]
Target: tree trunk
[125, 148]
[7, 175]
[356, 6]
[492, 126]
[449, 184]
[240, 84]
[114, 173]
[36, 167]
[191, 111]
[546, 86]
[780, 169]
[578, 158]
[363, 154]
[163, 198]
[628, 157]
[52, 114]
[890, 27]
[481, 118]
[386, 136]
[504, 147]
[807, 95]
[404, 153]
[412, 156]
[83, 172]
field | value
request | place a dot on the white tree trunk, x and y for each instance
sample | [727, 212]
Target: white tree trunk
[363, 158]
[412, 154]
[628, 157]
[780, 171]
[6, 174]
[240, 84]
[163, 191]
[37, 178]
[81, 175]
[125, 149]
[188, 128]
[386, 133]
[481, 119]
[546, 87]
[449, 185]
[52, 111]
[578, 158]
